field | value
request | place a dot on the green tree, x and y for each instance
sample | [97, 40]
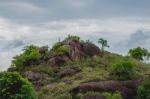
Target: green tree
[14, 86]
[103, 43]
[139, 53]
[30, 56]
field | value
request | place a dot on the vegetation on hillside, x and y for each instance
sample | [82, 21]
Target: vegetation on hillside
[13, 86]
[111, 67]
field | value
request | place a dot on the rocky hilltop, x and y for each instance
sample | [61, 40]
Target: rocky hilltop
[76, 69]
[77, 51]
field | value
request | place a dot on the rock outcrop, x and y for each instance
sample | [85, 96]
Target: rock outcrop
[68, 72]
[91, 50]
[32, 76]
[11, 69]
[57, 60]
[77, 50]
[126, 88]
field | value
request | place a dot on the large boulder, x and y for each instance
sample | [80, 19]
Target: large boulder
[127, 89]
[91, 50]
[11, 69]
[57, 60]
[32, 76]
[75, 48]
[79, 50]
[68, 72]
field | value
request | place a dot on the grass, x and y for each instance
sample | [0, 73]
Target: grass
[92, 69]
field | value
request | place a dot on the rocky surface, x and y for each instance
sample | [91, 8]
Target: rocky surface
[68, 72]
[77, 51]
[32, 76]
[57, 60]
[91, 50]
[11, 69]
[127, 88]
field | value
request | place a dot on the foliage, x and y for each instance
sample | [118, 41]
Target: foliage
[44, 52]
[139, 53]
[59, 49]
[94, 69]
[122, 69]
[144, 90]
[104, 43]
[30, 56]
[13, 86]
[72, 37]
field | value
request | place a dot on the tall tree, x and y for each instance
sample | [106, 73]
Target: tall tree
[103, 43]
[139, 53]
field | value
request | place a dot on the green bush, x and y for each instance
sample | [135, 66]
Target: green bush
[72, 37]
[144, 90]
[59, 49]
[122, 70]
[30, 56]
[13, 86]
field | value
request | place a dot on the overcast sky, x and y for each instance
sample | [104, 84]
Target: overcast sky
[124, 23]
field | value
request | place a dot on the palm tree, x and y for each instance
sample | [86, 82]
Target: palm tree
[103, 43]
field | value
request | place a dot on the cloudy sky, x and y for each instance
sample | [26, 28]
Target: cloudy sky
[124, 23]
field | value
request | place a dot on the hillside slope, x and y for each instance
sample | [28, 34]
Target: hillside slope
[76, 69]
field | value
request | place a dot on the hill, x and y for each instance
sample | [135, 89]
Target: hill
[77, 69]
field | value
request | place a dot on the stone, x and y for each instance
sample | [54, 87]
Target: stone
[30, 75]
[68, 72]
[128, 89]
[57, 60]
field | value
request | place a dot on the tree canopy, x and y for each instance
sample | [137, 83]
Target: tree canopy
[139, 53]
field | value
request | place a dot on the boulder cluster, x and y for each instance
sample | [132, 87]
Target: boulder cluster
[77, 50]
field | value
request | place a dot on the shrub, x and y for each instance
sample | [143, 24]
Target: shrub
[59, 49]
[122, 70]
[72, 37]
[144, 90]
[13, 86]
[30, 56]
[116, 95]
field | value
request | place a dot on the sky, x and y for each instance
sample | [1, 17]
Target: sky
[124, 23]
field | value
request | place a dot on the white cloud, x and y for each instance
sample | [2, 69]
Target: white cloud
[115, 30]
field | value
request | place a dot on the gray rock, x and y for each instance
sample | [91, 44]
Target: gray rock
[32, 75]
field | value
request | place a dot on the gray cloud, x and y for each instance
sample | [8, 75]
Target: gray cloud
[10, 44]
[28, 11]
[42, 22]
[139, 38]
